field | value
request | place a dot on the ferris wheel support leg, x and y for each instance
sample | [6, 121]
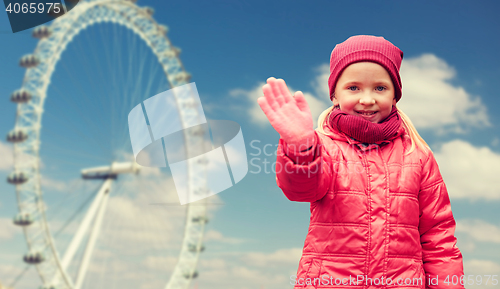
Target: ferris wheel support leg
[82, 271]
[77, 239]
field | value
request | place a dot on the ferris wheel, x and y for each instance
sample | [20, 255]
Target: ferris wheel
[108, 211]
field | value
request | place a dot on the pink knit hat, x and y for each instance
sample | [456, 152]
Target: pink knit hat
[366, 48]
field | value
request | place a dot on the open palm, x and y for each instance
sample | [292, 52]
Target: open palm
[289, 115]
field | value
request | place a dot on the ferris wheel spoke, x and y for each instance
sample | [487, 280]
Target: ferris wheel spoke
[150, 80]
[91, 242]
[78, 86]
[85, 63]
[131, 93]
[110, 59]
[18, 277]
[77, 239]
[103, 258]
[73, 216]
[99, 68]
[135, 97]
[116, 100]
[139, 81]
[116, 72]
[117, 55]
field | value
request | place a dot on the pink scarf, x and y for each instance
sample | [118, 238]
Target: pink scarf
[363, 130]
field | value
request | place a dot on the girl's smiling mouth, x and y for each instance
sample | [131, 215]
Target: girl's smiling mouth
[365, 112]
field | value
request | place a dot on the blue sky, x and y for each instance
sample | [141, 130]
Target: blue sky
[450, 78]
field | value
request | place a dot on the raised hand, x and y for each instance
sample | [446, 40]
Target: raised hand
[289, 115]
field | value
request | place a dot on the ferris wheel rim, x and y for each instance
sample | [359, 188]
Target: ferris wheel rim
[65, 30]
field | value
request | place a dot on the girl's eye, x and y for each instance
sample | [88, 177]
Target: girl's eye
[380, 88]
[353, 88]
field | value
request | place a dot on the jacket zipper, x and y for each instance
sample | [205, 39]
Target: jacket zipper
[368, 194]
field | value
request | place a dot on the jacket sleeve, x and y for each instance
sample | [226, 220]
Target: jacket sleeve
[441, 258]
[304, 176]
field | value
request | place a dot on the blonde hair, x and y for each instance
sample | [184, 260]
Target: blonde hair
[415, 138]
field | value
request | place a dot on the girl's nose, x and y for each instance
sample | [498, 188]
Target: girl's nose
[367, 98]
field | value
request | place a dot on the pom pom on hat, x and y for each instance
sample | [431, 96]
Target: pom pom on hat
[366, 48]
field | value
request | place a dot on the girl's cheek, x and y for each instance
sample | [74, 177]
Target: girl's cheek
[351, 105]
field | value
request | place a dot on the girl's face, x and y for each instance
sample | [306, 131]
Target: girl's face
[365, 89]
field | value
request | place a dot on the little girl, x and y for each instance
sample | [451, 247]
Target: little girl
[380, 211]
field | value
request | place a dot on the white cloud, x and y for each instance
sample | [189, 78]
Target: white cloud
[159, 262]
[290, 256]
[231, 271]
[237, 157]
[469, 172]
[217, 263]
[7, 159]
[466, 245]
[8, 229]
[260, 276]
[477, 271]
[320, 83]
[479, 230]
[495, 141]
[217, 236]
[481, 267]
[249, 269]
[141, 226]
[432, 102]
[238, 275]
[121, 272]
[60, 186]
[8, 273]
[256, 114]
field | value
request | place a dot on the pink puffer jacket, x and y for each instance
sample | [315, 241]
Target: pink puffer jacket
[375, 215]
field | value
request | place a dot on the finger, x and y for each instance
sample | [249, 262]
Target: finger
[270, 97]
[285, 92]
[276, 90]
[301, 101]
[266, 108]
